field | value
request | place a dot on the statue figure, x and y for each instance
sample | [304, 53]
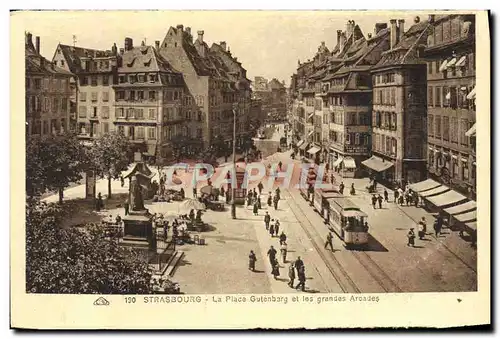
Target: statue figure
[136, 200]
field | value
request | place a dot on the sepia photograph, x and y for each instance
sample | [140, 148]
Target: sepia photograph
[251, 159]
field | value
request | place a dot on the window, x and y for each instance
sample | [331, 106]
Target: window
[453, 98]
[465, 168]
[62, 63]
[38, 83]
[64, 104]
[105, 80]
[45, 127]
[152, 77]
[55, 105]
[105, 127]
[119, 112]
[430, 125]
[122, 79]
[120, 95]
[438, 97]
[454, 129]
[140, 95]
[393, 121]
[130, 113]
[132, 78]
[83, 96]
[394, 147]
[84, 81]
[437, 129]
[140, 132]
[430, 96]
[446, 128]
[141, 77]
[356, 139]
[393, 96]
[121, 130]
[446, 96]
[93, 96]
[429, 67]
[152, 95]
[105, 96]
[152, 114]
[464, 127]
[94, 112]
[105, 112]
[131, 95]
[455, 171]
[151, 133]
[82, 111]
[93, 80]
[348, 138]
[139, 113]
[377, 119]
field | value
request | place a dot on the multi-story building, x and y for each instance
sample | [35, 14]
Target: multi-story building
[212, 90]
[48, 92]
[278, 100]
[450, 55]
[148, 103]
[350, 100]
[400, 108]
[96, 72]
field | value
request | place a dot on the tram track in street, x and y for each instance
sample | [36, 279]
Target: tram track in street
[380, 276]
[340, 275]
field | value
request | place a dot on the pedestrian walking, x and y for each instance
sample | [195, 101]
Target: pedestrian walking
[271, 229]
[275, 269]
[284, 251]
[195, 193]
[271, 253]
[291, 275]
[341, 188]
[353, 190]
[374, 201]
[126, 206]
[251, 261]
[254, 193]
[249, 199]
[424, 225]
[386, 195]
[277, 193]
[99, 202]
[276, 227]
[298, 263]
[255, 209]
[282, 237]
[267, 220]
[332, 178]
[380, 201]
[301, 273]
[280, 165]
[269, 199]
[276, 199]
[259, 204]
[437, 228]
[122, 180]
[401, 200]
[411, 238]
[416, 199]
[222, 191]
[421, 233]
[396, 196]
[329, 239]
[260, 187]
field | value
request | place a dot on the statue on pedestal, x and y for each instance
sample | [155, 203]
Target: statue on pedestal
[136, 199]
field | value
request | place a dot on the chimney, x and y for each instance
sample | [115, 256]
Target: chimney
[129, 44]
[394, 33]
[37, 45]
[401, 28]
[114, 49]
[157, 44]
[380, 26]
[342, 41]
[200, 36]
[431, 18]
[29, 38]
[180, 28]
[188, 30]
[339, 32]
[223, 45]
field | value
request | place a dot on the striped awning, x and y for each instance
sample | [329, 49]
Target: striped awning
[460, 62]
[443, 66]
[338, 161]
[313, 150]
[471, 132]
[472, 94]
[446, 198]
[349, 162]
[469, 205]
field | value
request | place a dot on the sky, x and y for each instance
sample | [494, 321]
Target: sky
[268, 43]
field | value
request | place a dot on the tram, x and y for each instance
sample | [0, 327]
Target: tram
[347, 220]
[307, 190]
[320, 200]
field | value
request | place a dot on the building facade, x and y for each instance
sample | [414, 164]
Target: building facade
[48, 92]
[399, 117]
[451, 70]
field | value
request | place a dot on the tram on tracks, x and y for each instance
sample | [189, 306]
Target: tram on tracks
[348, 221]
[320, 200]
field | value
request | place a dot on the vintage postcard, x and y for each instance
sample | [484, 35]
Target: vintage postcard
[250, 169]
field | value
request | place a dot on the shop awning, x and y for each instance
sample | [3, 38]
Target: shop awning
[349, 163]
[310, 133]
[465, 217]
[434, 191]
[424, 185]
[299, 143]
[303, 146]
[443, 66]
[472, 225]
[338, 161]
[446, 198]
[460, 62]
[451, 63]
[472, 94]
[469, 205]
[471, 132]
[313, 150]
[310, 116]
[377, 164]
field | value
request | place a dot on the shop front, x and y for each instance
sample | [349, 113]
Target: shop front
[380, 169]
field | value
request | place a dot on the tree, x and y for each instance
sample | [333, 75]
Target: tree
[79, 260]
[109, 156]
[53, 162]
[220, 146]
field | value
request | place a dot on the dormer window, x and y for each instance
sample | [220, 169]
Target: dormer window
[152, 77]
[141, 78]
[132, 78]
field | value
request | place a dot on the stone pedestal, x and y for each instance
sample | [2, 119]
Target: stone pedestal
[138, 230]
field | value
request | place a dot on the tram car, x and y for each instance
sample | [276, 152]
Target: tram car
[348, 221]
[320, 200]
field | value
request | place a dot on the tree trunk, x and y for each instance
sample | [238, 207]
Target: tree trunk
[109, 186]
[61, 195]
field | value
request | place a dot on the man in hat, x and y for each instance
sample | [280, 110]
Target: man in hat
[386, 195]
[379, 201]
[271, 253]
[374, 201]
[267, 220]
[329, 239]
[411, 238]
[260, 187]
[291, 274]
